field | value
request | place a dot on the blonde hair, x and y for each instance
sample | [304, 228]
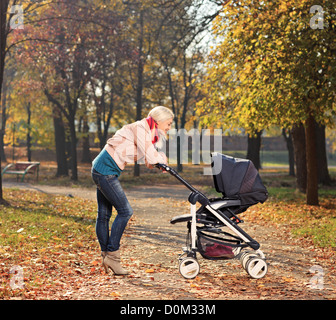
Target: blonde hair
[160, 114]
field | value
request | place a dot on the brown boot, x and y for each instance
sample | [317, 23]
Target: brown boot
[112, 261]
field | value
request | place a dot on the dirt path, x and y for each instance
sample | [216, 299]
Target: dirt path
[151, 246]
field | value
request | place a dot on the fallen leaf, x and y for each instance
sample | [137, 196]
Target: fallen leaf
[150, 271]
[95, 262]
[115, 294]
[288, 279]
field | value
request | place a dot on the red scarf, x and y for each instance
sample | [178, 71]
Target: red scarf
[153, 125]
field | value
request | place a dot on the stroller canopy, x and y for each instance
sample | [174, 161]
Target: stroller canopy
[238, 178]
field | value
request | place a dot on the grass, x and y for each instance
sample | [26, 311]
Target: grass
[36, 218]
[47, 237]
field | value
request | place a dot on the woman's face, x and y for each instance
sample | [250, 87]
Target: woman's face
[165, 125]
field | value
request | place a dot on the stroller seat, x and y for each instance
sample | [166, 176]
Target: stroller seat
[202, 216]
[224, 203]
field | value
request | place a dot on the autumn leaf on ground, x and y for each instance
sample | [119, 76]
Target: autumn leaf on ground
[115, 294]
[150, 271]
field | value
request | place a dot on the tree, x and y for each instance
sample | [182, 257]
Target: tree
[108, 89]
[276, 70]
[6, 14]
[145, 21]
[62, 47]
[27, 108]
[181, 53]
[3, 40]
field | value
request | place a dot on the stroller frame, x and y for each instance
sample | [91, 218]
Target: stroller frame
[253, 261]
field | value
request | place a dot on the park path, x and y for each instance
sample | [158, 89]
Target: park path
[151, 246]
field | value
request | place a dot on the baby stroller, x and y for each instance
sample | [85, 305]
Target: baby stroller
[213, 229]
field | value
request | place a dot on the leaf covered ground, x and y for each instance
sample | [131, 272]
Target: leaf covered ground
[48, 250]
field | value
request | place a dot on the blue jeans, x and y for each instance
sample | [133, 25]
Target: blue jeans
[110, 194]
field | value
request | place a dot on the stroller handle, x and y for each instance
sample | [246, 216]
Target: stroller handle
[174, 173]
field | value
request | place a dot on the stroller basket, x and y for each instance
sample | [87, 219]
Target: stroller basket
[216, 248]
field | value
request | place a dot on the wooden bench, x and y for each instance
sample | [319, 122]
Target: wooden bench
[21, 169]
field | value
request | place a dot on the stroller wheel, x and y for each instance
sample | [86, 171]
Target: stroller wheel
[256, 267]
[245, 256]
[189, 268]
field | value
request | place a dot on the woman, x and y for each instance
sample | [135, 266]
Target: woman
[132, 142]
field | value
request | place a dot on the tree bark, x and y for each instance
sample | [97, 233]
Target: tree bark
[312, 177]
[73, 149]
[253, 149]
[3, 40]
[28, 132]
[299, 144]
[290, 148]
[61, 159]
[321, 153]
[3, 122]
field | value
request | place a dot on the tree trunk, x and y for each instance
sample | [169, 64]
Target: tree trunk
[73, 149]
[3, 122]
[3, 36]
[290, 148]
[312, 177]
[28, 132]
[253, 149]
[86, 155]
[62, 165]
[321, 152]
[140, 83]
[299, 144]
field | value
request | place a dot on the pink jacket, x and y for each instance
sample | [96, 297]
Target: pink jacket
[133, 142]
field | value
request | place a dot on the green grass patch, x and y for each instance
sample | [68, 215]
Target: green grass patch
[321, 231]
[36, 219]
